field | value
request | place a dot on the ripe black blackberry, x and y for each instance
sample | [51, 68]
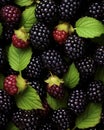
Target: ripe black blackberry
[46, 11]
[86, 67]
[6, 102]
[39, 87]
[68, 9]
[74, 47]
[77, 101]
[3, 120]
[34, 68]
[25, 119]
[62, 118]
[99, 55]
[95, 91]
[40, 36]
[54, 62]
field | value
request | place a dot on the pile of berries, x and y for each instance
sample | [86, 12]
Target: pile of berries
[55, 46]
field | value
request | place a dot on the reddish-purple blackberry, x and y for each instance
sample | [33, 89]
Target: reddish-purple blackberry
[40, 36]
[53, 61]
[3, 120]
[95, 91]
[86, 67]
[68, 9]
[25, 119]
[77, 101]
[34, 68]
[62, 118]
[6, 102]
[39, 87]
[96, 10]
[46, 11]
[10, 14]
[74, 47]
[99, 55]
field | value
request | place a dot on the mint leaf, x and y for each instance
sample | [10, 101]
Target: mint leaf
[91, 116]
[28, 18]
[29, 99]
[11, 126]
[24, 2]
[71, 78]
[1, 81]
[19, 58]
[99, 75]
[1, 28]
[89, 27]
[55, 103]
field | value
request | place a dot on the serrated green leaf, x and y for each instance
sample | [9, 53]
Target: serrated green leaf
[1, 81]
[89, 27]
[24, 2]
[91, 116]
[71, 78]
[28, 18]
[1, 28]
[29, 99]
[55, 103]
[11, 126]
[99, 75]
[19, 58]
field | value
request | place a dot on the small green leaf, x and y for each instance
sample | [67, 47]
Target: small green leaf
[11, 126]
[28, 18]
[71, 78]
[1, 81]
[55, 103]
[24, 2]
[1, 28]
[19, 58]
[99, 75]
[29, 99]
[89, 27]
[91, 116]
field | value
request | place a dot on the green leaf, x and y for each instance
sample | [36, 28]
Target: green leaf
[55, 103]
[1, 28]
[1, 81]
[19, 58]
[24, 2]
[99, 75]
[28, 18]
[71, 78]
[91, 116]
[11, 126]
[29, 99]
[89, 27]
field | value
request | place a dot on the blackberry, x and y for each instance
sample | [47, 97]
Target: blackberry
[39, 87]
[62, 118]
[95, 91]
[77, 101]
[3, 120]
[2, 59]
[34, 68]
[99, 55]
[5, 2]
[25, 119]
[74, 47]
[102, 115]
[54, 62]
[68, 9]
[40, 36]
[6, 102]
[46, 11]
[86, 67]
[96, 10]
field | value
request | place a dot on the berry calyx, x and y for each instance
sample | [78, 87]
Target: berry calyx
[55, 86]
[61, 32]
[20, 38]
